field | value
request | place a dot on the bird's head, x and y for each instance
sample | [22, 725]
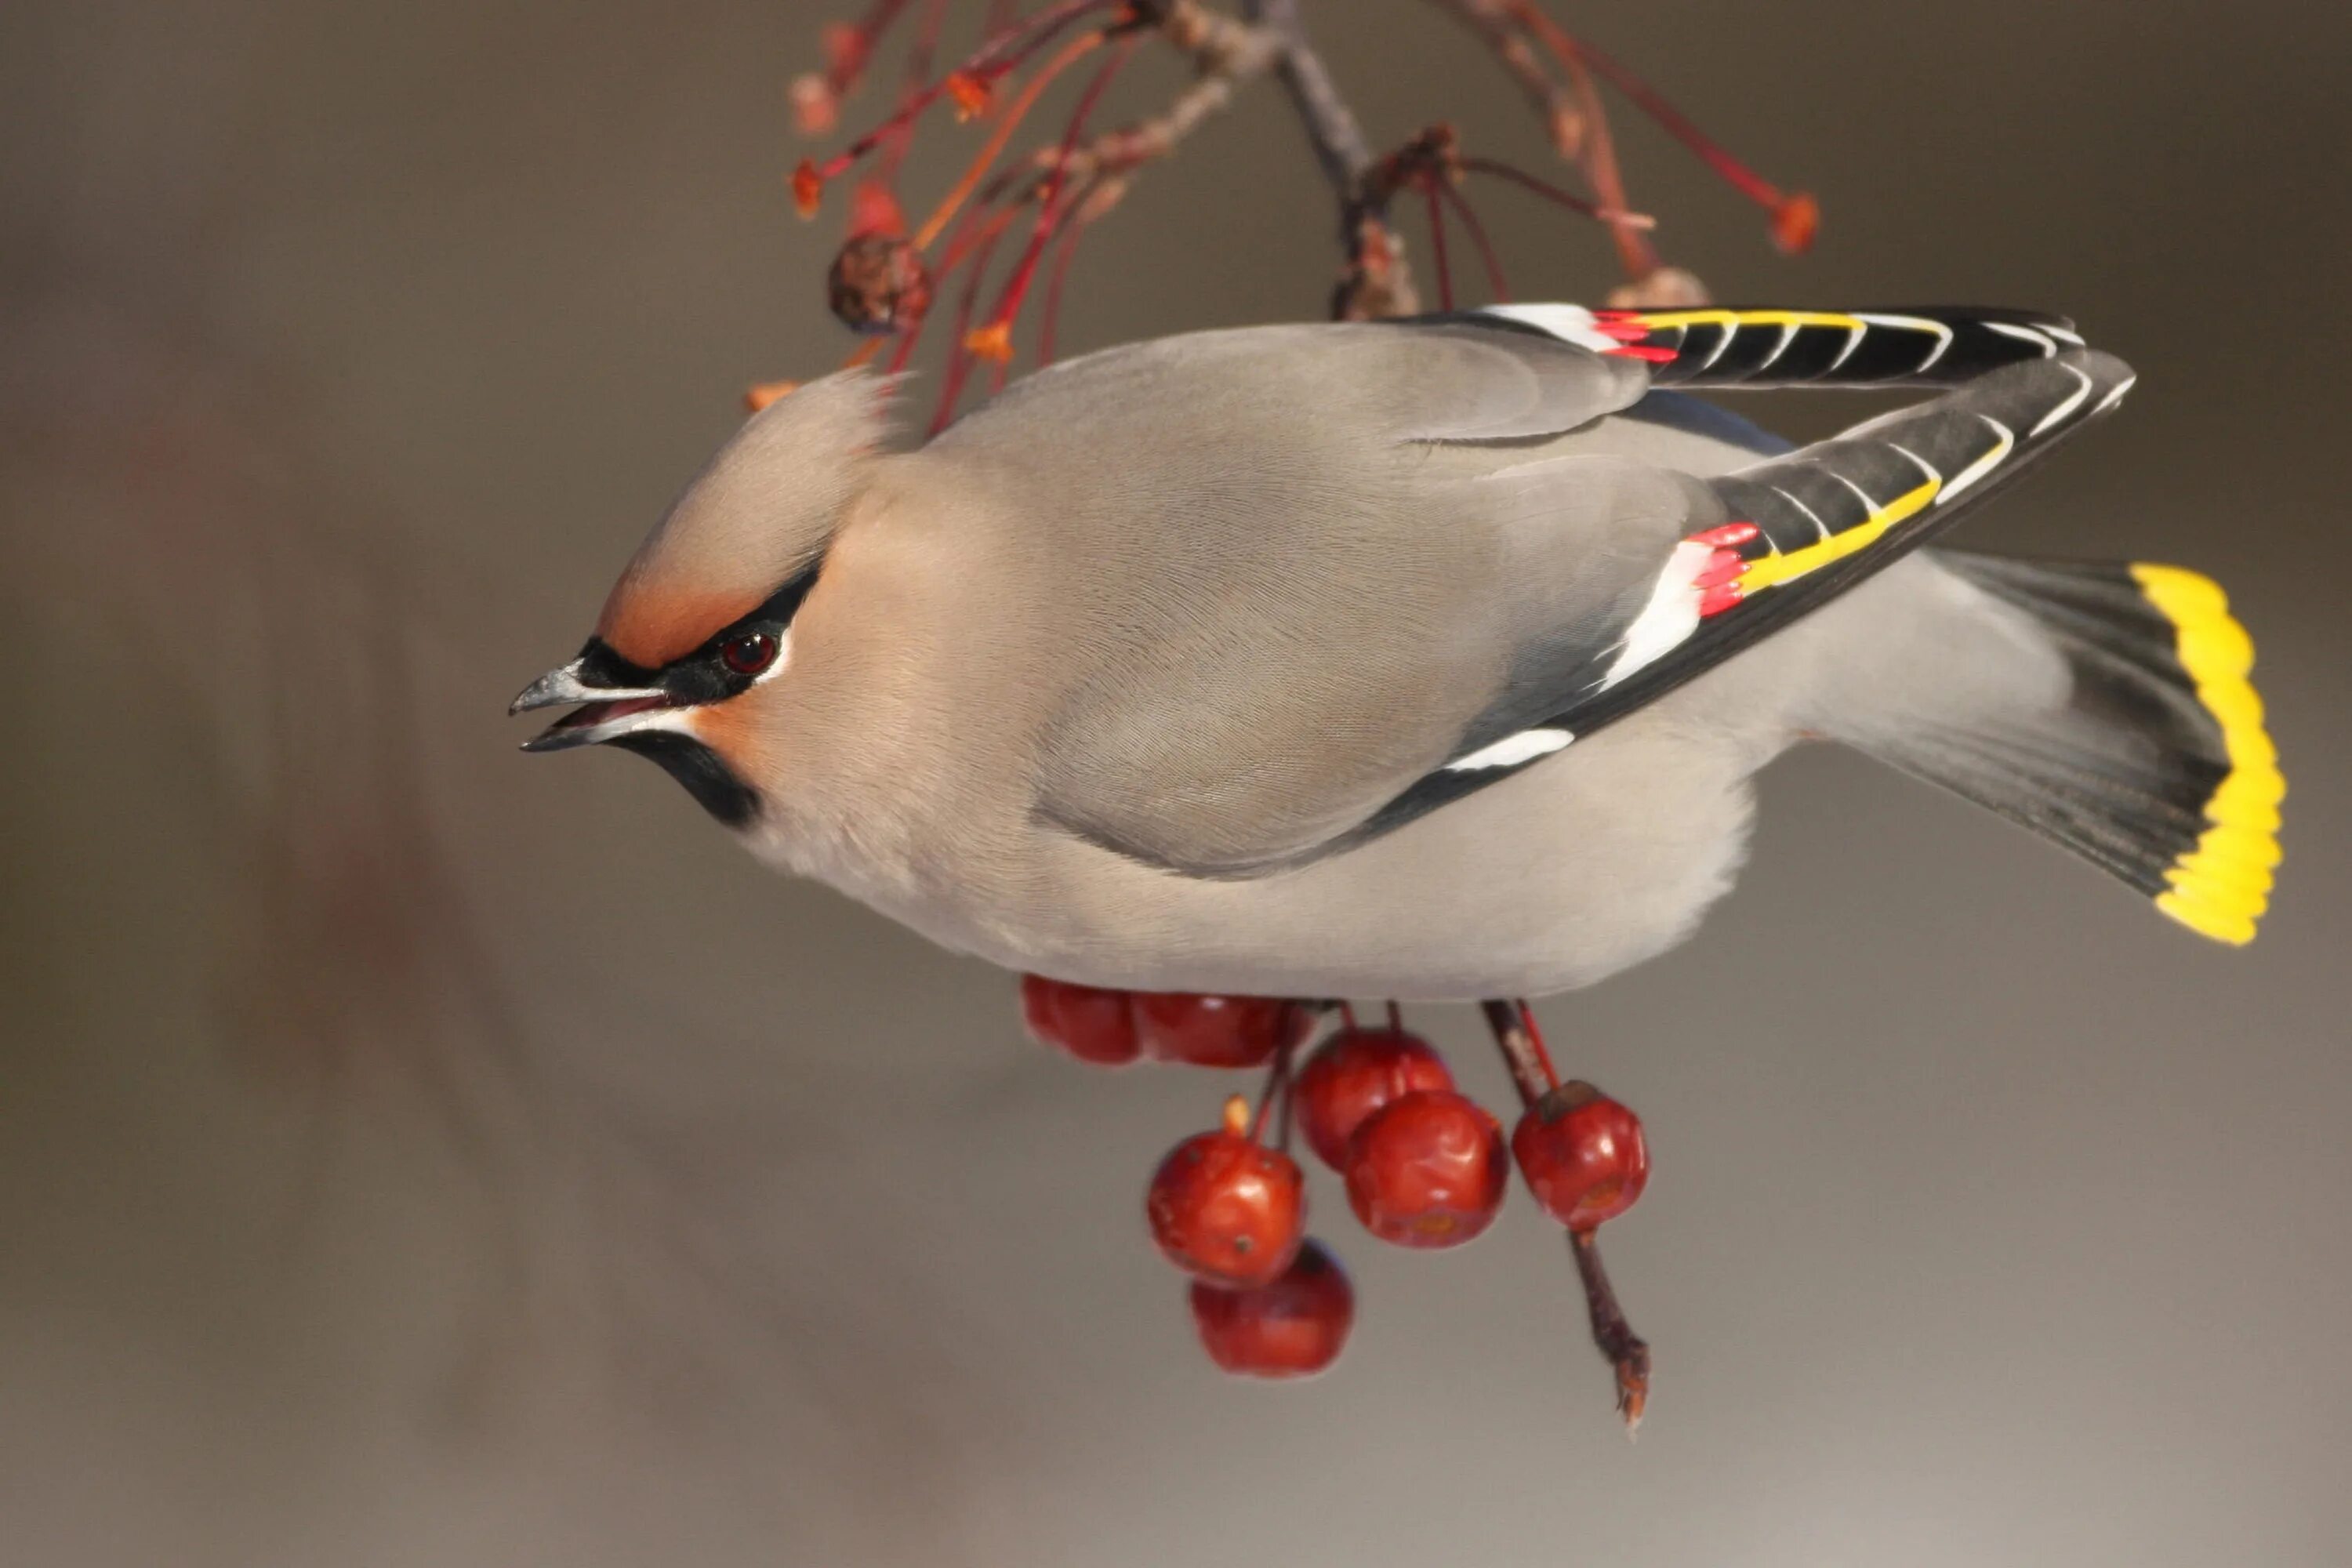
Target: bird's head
[695, 643]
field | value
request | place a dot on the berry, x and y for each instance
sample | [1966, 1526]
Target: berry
[1583, 1155]
[1294, 1327]
[878, 283]
[1427, 1170]
[1218, 1031]
[1226, 1208]
[1355, 1073]
[1091, 1025]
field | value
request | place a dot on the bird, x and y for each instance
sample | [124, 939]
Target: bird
[1432, 659]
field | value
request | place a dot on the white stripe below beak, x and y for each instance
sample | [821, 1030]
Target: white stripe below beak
[602, 721]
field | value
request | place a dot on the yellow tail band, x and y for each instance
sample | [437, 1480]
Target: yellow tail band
[2220, 887]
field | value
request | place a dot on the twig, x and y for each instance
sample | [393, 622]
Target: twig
[1562, 120]
[1226, 53]
[1599, 153]
[1376, 281]
[1627, 1352]
[1521, 1054]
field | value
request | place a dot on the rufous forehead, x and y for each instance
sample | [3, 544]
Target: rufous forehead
[651, 625]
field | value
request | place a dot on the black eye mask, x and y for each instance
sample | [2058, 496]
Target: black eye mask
[701, 676]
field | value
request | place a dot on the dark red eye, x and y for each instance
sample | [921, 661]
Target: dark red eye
[749, 654]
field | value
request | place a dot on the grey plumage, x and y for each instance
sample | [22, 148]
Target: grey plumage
[1358, 659]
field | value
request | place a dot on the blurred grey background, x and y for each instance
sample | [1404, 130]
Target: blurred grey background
[414, 1153]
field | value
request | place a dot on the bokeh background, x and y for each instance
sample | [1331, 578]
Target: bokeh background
[414, 1153]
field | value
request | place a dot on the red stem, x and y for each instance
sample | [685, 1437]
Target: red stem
[1549, 190]
[1534, 1037]
[1530, 1073]
[1278, 1081]
[959, 358]
[1051, 210]
[959, 247]
[1006, 123]
[1050, 316]
[1050, 322]
[1437, 244]
[1747, 181]
[1600, 152]
[920, 56]
[999, 55]
[1496, 283]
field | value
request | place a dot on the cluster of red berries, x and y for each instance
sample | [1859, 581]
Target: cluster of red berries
[1424, 1165]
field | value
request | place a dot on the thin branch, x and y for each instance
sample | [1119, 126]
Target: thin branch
[1339, 140]
[1552, 101]
[1376, 281]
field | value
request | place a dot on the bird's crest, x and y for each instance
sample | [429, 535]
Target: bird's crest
[761, 512]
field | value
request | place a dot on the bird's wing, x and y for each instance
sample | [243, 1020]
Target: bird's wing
[1372, 575]
[1736, 348]
[1766, 544]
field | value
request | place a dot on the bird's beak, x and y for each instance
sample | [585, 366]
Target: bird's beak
[609, 711]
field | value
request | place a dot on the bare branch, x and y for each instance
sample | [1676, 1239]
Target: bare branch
[1375, 280]
[1330, 124]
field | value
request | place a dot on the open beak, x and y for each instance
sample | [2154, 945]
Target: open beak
[608, 711]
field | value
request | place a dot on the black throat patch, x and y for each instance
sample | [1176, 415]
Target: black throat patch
[709, 780]
[698, 678]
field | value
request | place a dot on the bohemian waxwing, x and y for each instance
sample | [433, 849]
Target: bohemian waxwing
[1428, 660]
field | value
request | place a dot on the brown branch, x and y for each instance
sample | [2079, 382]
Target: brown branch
[1375, 280]
[1628, 1354]
[1330, 124]
[1226, 53]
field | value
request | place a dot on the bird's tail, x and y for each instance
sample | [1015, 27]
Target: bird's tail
[2139, 745]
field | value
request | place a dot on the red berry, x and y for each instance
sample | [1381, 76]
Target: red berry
[1227, 1209]
[1353, 1074]
[1294, 1327]
[1093, 1026]
[1427, 1170]
[1583, 1155]
[1218, 1031]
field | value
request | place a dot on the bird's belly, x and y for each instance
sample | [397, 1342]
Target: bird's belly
[1572, 870]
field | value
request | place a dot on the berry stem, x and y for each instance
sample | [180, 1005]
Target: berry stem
[1008, 121]
[920, 57]
[1737, 174]
[1551, 193]
[1277, 1082]
[1496, 284]
[1523, 1053]
[1514, 1025]
[1599, 154]
[995, 338]
[1347, 1015]
[958, 367]
[1396, 1019]
[1534, 1037]
[1437, 245]
[1049, 318]
[1626, 1352]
